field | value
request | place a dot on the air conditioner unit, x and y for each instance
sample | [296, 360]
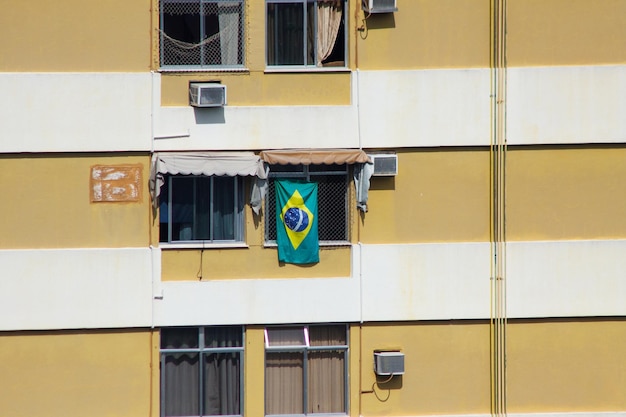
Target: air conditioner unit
[385, 164]
[388, 363]
[207, 95]
[379, 6]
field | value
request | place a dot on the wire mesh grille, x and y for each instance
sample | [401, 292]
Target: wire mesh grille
[333, 206]
[198, 33]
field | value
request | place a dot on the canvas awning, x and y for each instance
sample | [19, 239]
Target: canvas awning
[314, 156]
[203, 163]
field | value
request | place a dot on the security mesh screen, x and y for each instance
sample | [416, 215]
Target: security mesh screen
[197, 33]
[332, 199]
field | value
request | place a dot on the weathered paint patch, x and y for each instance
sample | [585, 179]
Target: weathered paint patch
[116, 183]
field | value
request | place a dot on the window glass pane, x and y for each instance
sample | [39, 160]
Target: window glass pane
[286, 336]
[285, 33]
[181, 35]
[163, 212]
[202, 215]
[283, 380]
[179, 338]
[327, 335]
[181, 387]
[326, 382]
[182, 208]
[217, 337]
[221, 384]
[224, 208]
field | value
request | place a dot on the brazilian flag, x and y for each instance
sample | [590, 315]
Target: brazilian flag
[296, 222]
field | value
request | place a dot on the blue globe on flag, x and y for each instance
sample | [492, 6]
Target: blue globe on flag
[296, 219]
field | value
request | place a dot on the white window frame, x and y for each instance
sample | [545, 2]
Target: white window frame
[239, 220]
[203, 67]
[202, 350]
[304, 67]
[304, 348]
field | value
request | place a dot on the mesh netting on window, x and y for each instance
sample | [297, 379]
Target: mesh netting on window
[200, 33]
[333, 208]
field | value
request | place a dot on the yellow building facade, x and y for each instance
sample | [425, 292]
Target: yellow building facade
[480, 273]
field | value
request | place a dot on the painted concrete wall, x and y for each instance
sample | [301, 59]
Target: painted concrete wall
[96, 373]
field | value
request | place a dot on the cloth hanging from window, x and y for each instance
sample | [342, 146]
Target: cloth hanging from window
[209, 163]
[328, 22]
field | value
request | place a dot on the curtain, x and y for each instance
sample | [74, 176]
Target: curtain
[223, 208]
[328, 22]
[229, 18]
[181, 378]
[283, 379]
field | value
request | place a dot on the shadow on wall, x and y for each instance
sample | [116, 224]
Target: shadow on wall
[209, 116]
[380, 21]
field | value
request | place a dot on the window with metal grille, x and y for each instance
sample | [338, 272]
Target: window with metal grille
[333, 212]
[201, 33]
[202, 371]
[306, 33]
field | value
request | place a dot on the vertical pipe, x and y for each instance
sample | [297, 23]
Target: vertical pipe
[498, 149]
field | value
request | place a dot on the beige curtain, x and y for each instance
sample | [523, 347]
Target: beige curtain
[283, 379]
[328, 21]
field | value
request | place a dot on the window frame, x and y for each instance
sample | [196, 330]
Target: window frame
[307, 174]
[238, 222]
[203, 67]
[202, 350]
[305, 348]
[304, 67]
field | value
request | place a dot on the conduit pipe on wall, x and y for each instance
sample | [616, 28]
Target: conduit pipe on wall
[498, 150]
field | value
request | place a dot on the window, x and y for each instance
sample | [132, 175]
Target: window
[306, 33]
[201, 371]
[201, 208]
[306, 369]
[201, 33]
[332, 200]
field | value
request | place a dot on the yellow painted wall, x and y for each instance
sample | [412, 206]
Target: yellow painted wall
[89, 373]
[253, 262]
[566, 32]
[425, 34]
[446, 369]
[75, 35]
[566, 365]
[558, 193]
[438, 195]
[47, 203]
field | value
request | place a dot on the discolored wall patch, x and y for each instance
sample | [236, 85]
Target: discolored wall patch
[116, 183]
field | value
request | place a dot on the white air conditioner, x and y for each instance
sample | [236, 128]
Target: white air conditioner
[379, 6]
[389, 363]
[385, 164]
[207, 95]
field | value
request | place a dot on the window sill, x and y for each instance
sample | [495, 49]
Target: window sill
[322, 244]
[216, 69]
[202, 245]
[278, 69]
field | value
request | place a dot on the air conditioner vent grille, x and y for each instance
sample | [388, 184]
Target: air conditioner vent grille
[389, 363]
[207, 95]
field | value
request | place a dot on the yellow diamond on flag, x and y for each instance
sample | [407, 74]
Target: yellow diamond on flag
[297, 219]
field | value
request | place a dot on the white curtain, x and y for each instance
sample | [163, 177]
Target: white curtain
[328, 22]
[229, 18]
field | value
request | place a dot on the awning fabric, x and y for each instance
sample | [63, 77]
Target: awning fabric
[315, 156]
[203, 163]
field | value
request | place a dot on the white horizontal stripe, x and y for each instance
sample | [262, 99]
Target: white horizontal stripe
[75, 288]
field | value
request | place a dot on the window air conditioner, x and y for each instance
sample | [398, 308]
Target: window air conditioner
[385, 164]
[207, 95]
[379, 6]
[388, 363]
